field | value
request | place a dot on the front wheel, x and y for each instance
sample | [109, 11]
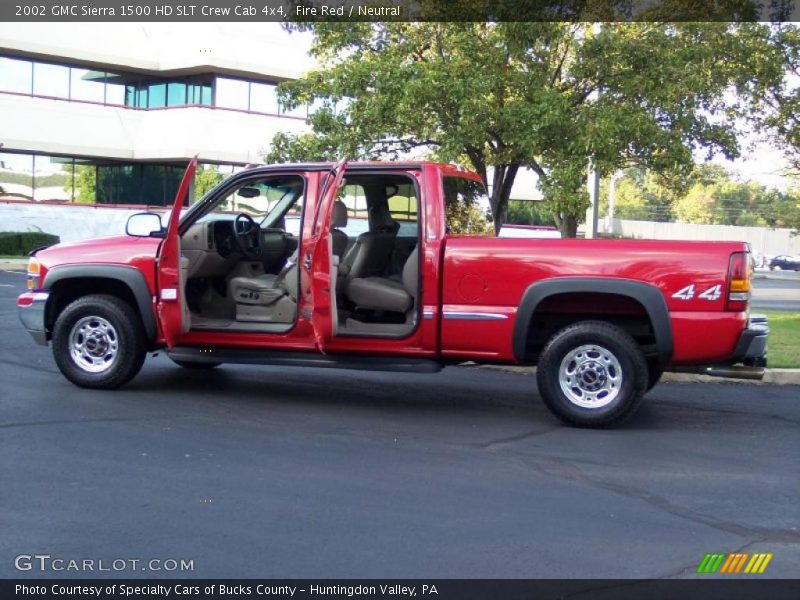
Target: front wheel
[98, 342]
[592, 374]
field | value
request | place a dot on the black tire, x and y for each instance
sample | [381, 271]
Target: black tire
[128, 335]
[654, 373]
[188, 364]
[597, 348]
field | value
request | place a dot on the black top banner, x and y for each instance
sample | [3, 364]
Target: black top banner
[397, 10]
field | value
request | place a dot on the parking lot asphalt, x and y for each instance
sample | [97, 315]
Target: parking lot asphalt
[268, 472]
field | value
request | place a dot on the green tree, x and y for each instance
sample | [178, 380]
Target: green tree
[696, 206]
[641, 195]
[84, 180]
[206, 178]
[529, 212]
[775, 105]
[498, 97]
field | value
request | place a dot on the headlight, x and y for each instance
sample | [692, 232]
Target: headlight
[34, 271]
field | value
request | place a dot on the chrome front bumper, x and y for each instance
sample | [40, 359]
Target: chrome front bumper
[30, 307]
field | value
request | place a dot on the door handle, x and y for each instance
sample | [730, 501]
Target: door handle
[307, 262]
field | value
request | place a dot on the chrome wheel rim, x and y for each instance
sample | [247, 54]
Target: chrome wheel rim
[93, 344]
[590, 376]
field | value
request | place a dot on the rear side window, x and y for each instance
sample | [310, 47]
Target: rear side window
[467, 207]
[402, 201]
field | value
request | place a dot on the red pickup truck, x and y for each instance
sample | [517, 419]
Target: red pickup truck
[390, 266]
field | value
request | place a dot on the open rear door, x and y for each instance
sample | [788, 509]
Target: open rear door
[318, 260]
[171, 298]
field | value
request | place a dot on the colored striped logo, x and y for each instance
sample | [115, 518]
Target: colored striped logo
[735, 562]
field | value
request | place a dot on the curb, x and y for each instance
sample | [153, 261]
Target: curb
[775, 276]
[14, 264]
[771, 376]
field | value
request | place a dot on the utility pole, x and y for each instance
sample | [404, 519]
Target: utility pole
[612, 200]
[593, 179]
[594, 197]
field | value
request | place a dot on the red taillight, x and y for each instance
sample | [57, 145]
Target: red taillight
[740, 273]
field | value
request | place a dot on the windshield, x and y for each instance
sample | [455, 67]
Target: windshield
[268, 201]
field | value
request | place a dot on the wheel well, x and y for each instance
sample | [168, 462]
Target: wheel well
[560, 310]
[68, 290]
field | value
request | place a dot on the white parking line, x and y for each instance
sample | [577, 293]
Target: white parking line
[14, 272]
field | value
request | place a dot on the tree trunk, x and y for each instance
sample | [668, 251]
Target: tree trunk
[568, 226]
[502, 181]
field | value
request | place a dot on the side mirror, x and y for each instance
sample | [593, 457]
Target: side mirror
[144, 224]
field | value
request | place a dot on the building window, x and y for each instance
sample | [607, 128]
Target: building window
[132, 90]
[115, 89]
[232, 93]
[176, 94]
[301, 110]
[157, 95]
[263, 98]
[199, 92]
[96, 181]
[16, 75]
[50, 80]
[50, 180]
[87, 85]
[16, 176]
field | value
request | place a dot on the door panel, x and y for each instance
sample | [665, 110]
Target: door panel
[172, 309]
[317, 260]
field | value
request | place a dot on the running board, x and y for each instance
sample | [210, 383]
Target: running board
[305, 359]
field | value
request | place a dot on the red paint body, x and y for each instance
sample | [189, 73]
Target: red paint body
[483, 275]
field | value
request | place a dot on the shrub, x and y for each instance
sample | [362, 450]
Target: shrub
[20, 243]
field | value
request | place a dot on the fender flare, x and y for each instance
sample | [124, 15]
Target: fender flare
[129, 276]
[649, 296]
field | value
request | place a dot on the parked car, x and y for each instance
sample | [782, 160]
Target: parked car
[226, 282]
[785, 263]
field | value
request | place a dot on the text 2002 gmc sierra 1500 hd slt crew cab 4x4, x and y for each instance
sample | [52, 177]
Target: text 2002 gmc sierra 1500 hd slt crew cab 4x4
[390, 266]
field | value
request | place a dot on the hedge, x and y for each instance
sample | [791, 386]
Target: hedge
[20, 243]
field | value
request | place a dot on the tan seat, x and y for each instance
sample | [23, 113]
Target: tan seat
[267, 298]
[262, 290]
[383, 293]
[373, 249]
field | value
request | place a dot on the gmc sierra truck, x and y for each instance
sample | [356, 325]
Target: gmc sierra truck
[390, 266]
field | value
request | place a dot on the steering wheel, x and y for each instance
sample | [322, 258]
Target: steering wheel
[247, 234]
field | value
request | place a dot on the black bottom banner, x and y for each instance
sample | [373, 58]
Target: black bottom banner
[439, 589]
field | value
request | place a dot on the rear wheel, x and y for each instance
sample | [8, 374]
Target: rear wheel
[592, 374]
[99, 342]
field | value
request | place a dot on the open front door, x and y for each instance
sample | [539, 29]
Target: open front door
[318, 260]
[171, 299]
